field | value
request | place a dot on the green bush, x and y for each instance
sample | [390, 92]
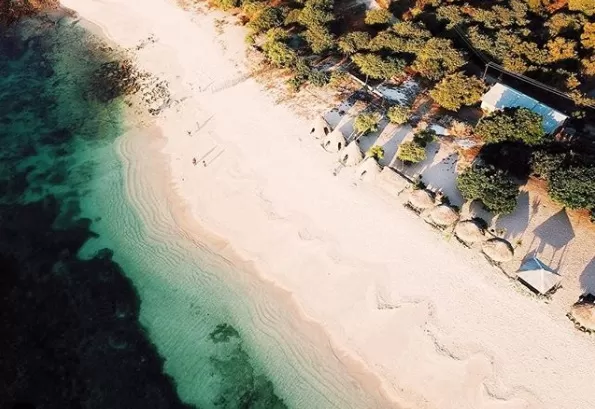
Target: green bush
[457, 90]
[376, 152]
[512, 124]
[544, 163]
[378, 16]
[353, 42]
[494, 188]
[226, 4]
[573, 187]
[424, 137]
[377, 67]
[366, 123]
[265, 19]
[279, 54]
[411, 152]
[318, 78]
[398, 114]
[319, 38]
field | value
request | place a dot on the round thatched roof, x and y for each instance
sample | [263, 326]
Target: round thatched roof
[444, 215]
[498, 250]
[583, 314]
[351, 155]
[334, 142]
[421, 199]
[469, 231]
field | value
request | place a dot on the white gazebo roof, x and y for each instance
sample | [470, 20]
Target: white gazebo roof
[351, 155]
[334, 142]
[538, 276]
[500, 96]
[320, 128]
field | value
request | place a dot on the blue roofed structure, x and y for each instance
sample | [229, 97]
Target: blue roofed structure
[500, 96]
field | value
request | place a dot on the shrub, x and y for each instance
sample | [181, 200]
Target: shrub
[494, 188]
[378, 16]
[411, 152]
[279, 54]
[318, 78]
[398, 114]
[424, 137]
[456, 90]
[319, 38]
[376, 152]
[586, 6]
[353, 42]
[573, 187]
[366, 123]
[316, 14]
[226, 4]
[512, 124]
[377, 67]
[266, 19]
[544, 163]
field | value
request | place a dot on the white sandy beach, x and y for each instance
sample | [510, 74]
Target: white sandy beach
[431, 319]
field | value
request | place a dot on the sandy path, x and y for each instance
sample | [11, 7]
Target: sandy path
[442, 327]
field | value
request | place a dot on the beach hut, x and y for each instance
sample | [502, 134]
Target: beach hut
[368, 169]
[583, 315]
[421, 199]
[351, 155]
[320, 128]
[498, 250]
[444, 216]
[334, 142]
[537, 276]
[469, 231]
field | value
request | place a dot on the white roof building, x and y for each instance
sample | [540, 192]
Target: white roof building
[538, 276]
[500, 96]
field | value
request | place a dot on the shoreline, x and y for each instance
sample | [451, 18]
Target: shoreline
[477, 364]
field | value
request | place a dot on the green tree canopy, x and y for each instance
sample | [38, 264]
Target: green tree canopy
[411, 152]
[316, 13]
[512, 124]
[410, 30]
[573, 187]
[354, 42]
[377, 67]
[366, 122]
[456, 90]
[586, 6]
[378, 16]
[265, 19]
[494, 188]
[588, 35]
[437, 58]
[319, 38]
[398, 114]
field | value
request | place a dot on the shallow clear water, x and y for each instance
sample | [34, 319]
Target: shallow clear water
[72, 335]
[106, 300]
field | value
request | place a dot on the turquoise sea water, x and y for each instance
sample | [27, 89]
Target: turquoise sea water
[72, 335]
[106, 300]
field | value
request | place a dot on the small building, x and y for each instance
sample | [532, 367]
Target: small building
[392, 182]
[334, 142]
[320, 128]
[500, 96]
[537, 276]
[351, 155]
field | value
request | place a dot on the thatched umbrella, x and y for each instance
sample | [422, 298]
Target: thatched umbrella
[444, 215]
[469, 231]
[499, 250]
[583, 314]
[334, 142]
[421, 199]
[368, 169]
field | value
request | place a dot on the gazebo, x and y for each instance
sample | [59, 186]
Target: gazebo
[320, 128]
[469, 231]
[444, 215]
[351, 155]
[421, 199]
[583, 314]
[334, 142]
[498, 250]
[368, 169]
[537, 276]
